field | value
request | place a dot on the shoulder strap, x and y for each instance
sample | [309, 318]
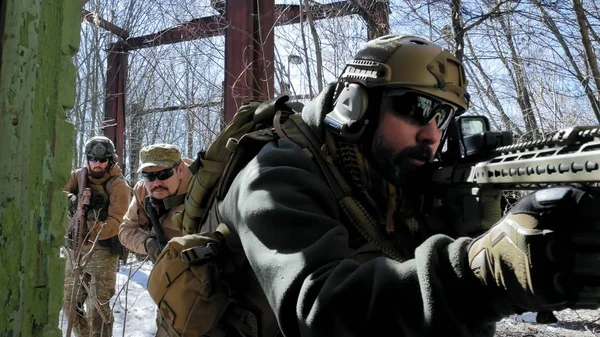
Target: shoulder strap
[174, 201]
[300, 133]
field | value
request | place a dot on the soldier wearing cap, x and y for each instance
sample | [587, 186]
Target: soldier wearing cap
[160, 193]
[99, 255]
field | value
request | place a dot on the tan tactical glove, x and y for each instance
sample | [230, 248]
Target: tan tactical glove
[545, 254]
[152, 249]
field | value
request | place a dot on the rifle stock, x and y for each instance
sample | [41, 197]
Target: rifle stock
[76, 236]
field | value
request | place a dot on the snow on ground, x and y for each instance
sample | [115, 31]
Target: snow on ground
[133, 308]
[135, 311]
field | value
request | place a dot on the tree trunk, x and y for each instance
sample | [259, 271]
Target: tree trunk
[549, 22]
[590, 55]
[315, 35]
[305, 49]
[37, 83]
[523, 96]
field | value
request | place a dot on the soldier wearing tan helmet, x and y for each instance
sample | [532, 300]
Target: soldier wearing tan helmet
[334, 232]
[110, 195]
[157, 196]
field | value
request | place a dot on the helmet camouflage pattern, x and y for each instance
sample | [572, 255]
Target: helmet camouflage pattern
[100, 147]
[404, 61]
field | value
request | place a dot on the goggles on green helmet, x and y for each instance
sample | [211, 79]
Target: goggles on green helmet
[420, 107]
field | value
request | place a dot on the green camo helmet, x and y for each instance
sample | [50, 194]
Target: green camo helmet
[412, 62]
[100, 147]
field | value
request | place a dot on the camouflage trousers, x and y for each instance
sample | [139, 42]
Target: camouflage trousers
[93, 291]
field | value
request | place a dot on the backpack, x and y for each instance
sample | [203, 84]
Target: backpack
[196, 276]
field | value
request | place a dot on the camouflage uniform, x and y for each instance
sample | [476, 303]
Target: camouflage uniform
[97, 262]
[98, 280]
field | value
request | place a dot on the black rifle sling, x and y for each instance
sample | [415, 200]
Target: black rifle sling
[155, 223]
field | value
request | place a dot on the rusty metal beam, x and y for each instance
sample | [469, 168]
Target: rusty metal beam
[290, 14]
[106, 25]
[114, 108]
[207, 26]
[249, 52]
[239, 54]
[216, 25]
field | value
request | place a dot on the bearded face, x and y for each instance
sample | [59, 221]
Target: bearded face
[402, 144]
[399, 167]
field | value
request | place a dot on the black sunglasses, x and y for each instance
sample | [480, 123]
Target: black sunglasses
[95, 159]
[422, 108]
[160, 175]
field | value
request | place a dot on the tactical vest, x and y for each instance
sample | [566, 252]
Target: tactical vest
[100, 200]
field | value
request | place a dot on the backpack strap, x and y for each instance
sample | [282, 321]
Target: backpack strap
[300, 133]
[174, 201]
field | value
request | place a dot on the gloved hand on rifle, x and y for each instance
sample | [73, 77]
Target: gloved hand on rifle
[152, 248]
[545, 253]
[72, 203]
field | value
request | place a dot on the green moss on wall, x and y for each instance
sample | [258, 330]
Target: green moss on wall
[37, 84]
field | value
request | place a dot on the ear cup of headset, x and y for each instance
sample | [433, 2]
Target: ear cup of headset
[347, 119]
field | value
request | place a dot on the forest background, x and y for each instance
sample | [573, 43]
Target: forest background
[531, 65]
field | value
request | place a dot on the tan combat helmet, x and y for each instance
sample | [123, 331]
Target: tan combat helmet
[395, 61]
[412, 62]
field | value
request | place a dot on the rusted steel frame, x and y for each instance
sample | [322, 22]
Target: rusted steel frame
[200, 28]
[215, 25]
[290, 14]
[114, 108]
[239, 54]
[97, 20]
[183, 107]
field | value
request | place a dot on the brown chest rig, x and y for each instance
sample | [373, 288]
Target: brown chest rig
[100, 200]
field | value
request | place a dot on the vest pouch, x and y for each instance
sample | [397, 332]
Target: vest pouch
[187, 286]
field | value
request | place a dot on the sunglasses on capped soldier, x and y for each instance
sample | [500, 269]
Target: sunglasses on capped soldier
[97, 159]
[160, 175]
[421, 108]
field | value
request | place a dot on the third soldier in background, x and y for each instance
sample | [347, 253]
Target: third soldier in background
[147, 226]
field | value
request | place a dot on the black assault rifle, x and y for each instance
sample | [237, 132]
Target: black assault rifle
[76, 235]
[479, 165]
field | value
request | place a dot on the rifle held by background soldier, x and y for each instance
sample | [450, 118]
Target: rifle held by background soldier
[75, 237]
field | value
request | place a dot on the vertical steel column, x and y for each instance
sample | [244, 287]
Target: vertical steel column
[114, 107]
[249, 53]
[264, 37]
[239, 54]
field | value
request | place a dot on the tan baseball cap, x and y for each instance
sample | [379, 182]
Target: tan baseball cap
[161, 155]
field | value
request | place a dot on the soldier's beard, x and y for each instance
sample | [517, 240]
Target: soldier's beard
[397, 167]
[97, 173]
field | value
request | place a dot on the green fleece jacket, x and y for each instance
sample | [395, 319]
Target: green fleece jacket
[298, 246]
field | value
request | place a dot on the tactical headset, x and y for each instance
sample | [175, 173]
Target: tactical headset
[419, 66]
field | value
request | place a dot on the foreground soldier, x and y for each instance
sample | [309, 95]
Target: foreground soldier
[110, 196]
[165, 177]
[368, 264]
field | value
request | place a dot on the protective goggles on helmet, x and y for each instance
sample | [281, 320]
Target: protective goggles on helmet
[95, 159]
[160, 175]
[421, 108]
